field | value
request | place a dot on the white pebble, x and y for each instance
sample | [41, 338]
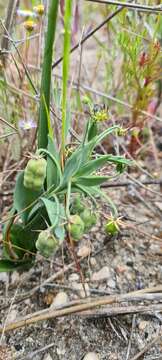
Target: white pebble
[60, 299]
[74, 277]
[80, 289]
[84, 251]
[91, 356]
[101, 275]
[47, 357]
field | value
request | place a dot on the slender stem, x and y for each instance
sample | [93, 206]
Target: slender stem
[46, 75]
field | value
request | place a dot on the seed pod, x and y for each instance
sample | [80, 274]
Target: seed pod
[77, 206]
[88, 218]
[40, 169]
[112, 227]
[35, 173]
[46, 243]
[76, 227]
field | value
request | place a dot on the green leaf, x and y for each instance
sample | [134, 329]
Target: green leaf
[93, 165]
[88, 148]
[60, 232]
[53, 210]
[22, 241]
[71, 166]
[9, 265]
[24, 197]
[92, 131]
[82, 155]
[91, 180]
[46, 76]
[55, 161]
[52, 168]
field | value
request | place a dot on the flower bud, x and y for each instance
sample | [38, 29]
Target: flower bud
[39, 9]
[29, 25]
[111, 228]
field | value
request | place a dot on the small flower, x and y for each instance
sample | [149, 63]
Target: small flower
[135, 132]
[152, 106]
[29, 25]
[27, 124]
[157, 45]
[147, 81]
[39, 9]
[121, 131]
[143, 59]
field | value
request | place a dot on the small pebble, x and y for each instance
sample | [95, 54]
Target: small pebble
[60, 299]
[4, 277]
[12, 316]
[91, 356]
[93, 262]
[120, 269]
[142, 325]
[101, 275]
[80, 290]
[159, 205]
[111, 283]
[47, 357]
[74, 277]
[84, 251]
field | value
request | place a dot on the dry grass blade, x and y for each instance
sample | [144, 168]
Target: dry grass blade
[147, 347]
[133, 6]
[87, 305]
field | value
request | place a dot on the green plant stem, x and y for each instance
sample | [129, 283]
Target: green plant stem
[46, 75]
[66, 63]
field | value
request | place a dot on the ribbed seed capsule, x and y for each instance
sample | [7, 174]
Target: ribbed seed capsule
[76, 227]
[88, 218]
[46, 243]
[35, 173]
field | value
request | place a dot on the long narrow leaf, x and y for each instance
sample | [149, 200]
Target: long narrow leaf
[82, 155]
[95, 164]
[91, 180]
[43, 127]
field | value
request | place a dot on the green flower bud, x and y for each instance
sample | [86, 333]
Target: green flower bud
[76, 227]
[46, 243]
[112, 227]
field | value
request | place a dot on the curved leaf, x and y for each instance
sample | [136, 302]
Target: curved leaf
[24, 197]
[91, 180]
[93, 165]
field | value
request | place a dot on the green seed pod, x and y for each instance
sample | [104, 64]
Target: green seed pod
[77, 206]
[31, 165]
[41, 167]
[46, 243]
[35, 173]
[88, 218]
[76, 227]
[37, 184]
[28, 181]
[112, 227]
